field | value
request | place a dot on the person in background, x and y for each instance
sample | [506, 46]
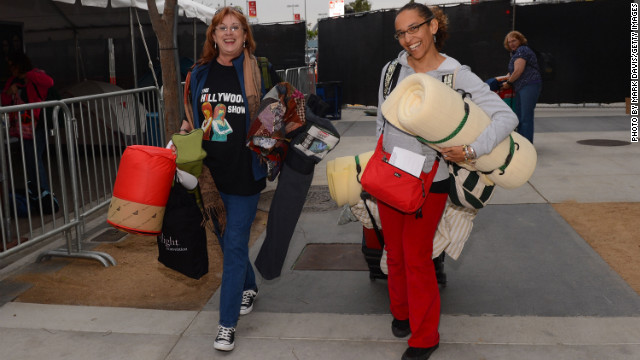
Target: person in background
[26, 85]
[228, 76]
[413, 288]
[525, 79]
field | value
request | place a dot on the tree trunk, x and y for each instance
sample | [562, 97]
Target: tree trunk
[163, 26]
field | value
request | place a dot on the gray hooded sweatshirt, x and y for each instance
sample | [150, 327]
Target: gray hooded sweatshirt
[503, 120]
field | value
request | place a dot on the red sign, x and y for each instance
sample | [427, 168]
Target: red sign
[296, 17]
[252, 9]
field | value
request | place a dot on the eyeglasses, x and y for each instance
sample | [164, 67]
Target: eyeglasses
[411, 30]
[224, 28]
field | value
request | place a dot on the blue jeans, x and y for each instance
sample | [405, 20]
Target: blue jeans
[526, 99]
[35, 163]
[237, 272]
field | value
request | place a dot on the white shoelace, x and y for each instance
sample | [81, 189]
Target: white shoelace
[247, 296]
[224, 333]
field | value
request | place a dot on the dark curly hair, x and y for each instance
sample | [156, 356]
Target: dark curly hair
[426, 12]
[21, 61]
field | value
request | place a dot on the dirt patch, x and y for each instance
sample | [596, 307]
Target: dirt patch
[138, 280]
[611, 230]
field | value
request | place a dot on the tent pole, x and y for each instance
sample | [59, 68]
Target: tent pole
[176, 56]
[513, 21]
[77, 51]
[133, 49]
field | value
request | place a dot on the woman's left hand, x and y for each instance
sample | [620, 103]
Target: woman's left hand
[453, 153]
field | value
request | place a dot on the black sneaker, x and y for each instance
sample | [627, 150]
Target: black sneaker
[416, 353]
[49, 203]
[248, 297]
[400, 328]
[225, 338]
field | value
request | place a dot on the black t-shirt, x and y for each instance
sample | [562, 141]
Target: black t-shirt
[228, 157]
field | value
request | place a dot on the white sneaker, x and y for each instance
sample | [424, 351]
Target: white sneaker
[248, 297]
[225, 338]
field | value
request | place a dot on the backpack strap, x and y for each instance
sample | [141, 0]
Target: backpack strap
[450, 79]
[391, 77]
[188, 110]
[263, 62]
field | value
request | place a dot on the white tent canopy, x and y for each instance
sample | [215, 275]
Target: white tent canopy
[47, 20]
[202, 10]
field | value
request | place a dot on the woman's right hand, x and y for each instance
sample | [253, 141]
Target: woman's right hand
[171, 145]
[13, 89]
[185, 127]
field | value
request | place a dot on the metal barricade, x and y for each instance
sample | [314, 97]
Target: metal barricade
[80, 141]
[104, 126]
[302, 78]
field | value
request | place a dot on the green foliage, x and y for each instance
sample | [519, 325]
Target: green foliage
[311, 34]
[360, 5]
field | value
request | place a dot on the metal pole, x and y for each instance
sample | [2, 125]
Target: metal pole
[133, 49]
[176, 56]
[293, 6]
[77, 52]
[513, 21]
[195, 41]
[112, 61]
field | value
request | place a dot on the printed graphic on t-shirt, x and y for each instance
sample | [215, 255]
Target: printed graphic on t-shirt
[215, 126]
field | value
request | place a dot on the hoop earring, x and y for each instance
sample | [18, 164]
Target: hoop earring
[244, 44]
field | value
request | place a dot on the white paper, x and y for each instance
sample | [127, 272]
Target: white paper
[407, 161]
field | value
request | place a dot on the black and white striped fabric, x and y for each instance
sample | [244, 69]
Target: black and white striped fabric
[468, 189]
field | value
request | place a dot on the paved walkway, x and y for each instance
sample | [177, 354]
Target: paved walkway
[527, 286]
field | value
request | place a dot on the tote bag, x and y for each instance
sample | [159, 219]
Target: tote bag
[182, 245]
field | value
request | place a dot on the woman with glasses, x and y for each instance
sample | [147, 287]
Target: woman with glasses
[413, 288]
[227, 76]
[525, 79]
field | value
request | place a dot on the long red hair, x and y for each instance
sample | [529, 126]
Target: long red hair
[209, 51]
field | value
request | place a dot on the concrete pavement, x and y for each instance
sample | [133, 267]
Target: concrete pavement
[527, 286]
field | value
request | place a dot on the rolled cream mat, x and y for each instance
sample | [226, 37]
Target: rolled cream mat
[344, 187]
[423, 106]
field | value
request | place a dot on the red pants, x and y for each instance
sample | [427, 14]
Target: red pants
[413, 288]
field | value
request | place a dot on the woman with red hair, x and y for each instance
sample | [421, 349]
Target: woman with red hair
[228, 76]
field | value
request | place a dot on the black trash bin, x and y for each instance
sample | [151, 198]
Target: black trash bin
[331, 93]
